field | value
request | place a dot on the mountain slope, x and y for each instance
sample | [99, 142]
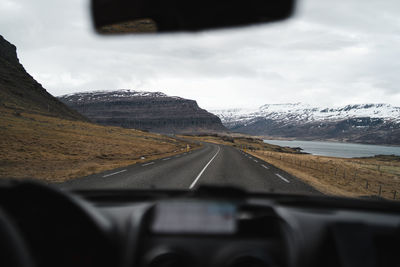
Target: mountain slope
[19, 91]
[152, 111]
[40, 137]
[364, 123]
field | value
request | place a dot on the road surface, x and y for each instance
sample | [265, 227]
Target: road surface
[212, 165]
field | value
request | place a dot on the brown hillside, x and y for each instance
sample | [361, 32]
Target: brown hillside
[21, 92]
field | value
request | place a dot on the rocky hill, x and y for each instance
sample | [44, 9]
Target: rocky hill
[152, 111]
[42, 138]
[363, 123]
[19, 91]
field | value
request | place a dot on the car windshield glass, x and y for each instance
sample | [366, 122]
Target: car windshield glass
[308, 106]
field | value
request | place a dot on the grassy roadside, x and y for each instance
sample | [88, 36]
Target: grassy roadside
[56, 150]
[241, 142]
[375, 176]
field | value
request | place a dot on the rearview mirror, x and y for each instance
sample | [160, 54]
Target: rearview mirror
[136, 16]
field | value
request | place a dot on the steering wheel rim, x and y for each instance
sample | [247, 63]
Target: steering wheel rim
[14, 252]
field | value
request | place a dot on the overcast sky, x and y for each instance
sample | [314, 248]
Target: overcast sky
[331, 53]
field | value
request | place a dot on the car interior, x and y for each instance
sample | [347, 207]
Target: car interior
[210, 226]
[42, 225]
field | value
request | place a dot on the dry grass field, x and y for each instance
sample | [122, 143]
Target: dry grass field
[55, 150]
[135, 26]
[240, 141]
[356, 177]
[375, 176]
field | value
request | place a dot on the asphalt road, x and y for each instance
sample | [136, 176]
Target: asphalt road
[212, 165]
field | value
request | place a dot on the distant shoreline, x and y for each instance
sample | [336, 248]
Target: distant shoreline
[337, 149]
[324, 140]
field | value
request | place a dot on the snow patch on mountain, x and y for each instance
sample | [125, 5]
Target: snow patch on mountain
[304, 113]
[100, 95]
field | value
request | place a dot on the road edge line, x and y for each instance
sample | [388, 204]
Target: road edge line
[283, 178]
[205, 167]
[111, 174]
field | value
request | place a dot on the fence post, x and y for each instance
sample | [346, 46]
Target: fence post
[394, 194]
[380, 190]
[366, 184]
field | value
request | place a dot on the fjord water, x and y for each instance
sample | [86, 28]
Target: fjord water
[336, 149]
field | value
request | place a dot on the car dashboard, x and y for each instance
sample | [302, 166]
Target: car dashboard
[206, 227]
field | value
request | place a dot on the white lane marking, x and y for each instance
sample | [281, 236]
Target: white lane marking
[283, 178]
[110, 174]
[166, 159]
[205, 167]
[264, 166]
[148, 163]
[255, 161]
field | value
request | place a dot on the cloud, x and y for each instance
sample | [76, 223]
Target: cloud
[330, 53]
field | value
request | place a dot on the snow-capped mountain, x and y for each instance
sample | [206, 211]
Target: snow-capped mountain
[371, 123]
[103, 95]
[151, 111]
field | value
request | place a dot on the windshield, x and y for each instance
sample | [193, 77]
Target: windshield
[305, 106]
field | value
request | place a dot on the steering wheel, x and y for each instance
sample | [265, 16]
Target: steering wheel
[59, 229]
[13, 251]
